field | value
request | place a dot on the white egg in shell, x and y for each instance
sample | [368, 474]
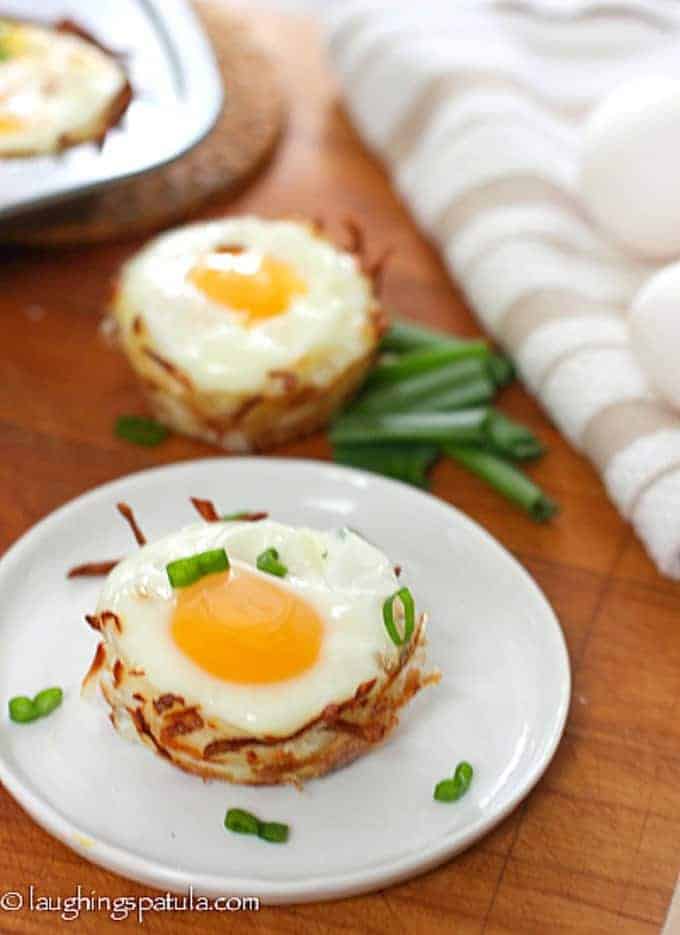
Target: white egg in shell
[630, 159]
[655, 331]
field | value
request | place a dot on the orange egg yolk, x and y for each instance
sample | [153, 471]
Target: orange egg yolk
[242, 628]
[256, 284]
[9, 123]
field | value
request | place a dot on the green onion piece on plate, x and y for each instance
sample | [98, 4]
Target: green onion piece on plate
[185, 571]
[22, 710]
[274, 831]
[141, 430]
[450, 790]
[47, 701]
[241, 822]
[406, 599]
[269, 561]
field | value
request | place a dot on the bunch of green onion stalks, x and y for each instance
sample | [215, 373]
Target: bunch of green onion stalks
[429, 395]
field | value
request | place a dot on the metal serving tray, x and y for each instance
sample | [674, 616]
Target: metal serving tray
[177, 95]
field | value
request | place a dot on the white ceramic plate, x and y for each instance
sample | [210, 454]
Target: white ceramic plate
[501, 704]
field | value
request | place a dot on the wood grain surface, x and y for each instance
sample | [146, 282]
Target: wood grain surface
[596, 847]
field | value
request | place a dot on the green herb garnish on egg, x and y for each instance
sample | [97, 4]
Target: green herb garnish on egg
[269, 562]
[186, 571]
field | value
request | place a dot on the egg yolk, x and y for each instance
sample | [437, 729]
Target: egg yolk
[238, 626]
[9, 123]
[257, 284]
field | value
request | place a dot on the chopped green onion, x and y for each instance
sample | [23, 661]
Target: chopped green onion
[241, 822]
[422, 388]
[269, 561]
[506, 479]
[185, 571]
[450, 790]
[422, 361]
[47, 700]
[512, 439]
[467, 427]
[406, 598]
[404, 462]
[274, 831]
[404, 336]
[141, 430]
[22, 710]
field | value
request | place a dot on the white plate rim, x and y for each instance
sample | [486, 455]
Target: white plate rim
[333, 885]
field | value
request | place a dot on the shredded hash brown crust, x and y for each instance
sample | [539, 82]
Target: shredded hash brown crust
[178, 730]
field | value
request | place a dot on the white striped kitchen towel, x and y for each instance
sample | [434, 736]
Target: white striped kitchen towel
[476, 108]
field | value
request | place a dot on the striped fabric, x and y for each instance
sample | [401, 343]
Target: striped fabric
[476, 108]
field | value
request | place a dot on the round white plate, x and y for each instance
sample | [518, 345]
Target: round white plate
[501, 704]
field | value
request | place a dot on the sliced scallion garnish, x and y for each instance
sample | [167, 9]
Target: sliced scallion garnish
[274, 831]
[48, 700]
[140, 430]
[185, 571]
[269, 561]
[404, 596]
[450, 790]
[23, 709]
[242, 822]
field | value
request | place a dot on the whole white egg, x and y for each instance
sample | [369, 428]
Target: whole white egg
[630, 166]
[655, 331]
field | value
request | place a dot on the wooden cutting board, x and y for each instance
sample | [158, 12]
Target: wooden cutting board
[596, 846]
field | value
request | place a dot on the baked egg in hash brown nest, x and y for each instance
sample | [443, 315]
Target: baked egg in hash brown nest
[250, 677]
[247, 333]
[58, 87]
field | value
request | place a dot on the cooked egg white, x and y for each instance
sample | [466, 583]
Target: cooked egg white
[231, 301]
[54, 87]
[262, 653]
